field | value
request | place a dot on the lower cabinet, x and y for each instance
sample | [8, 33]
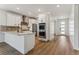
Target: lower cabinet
[2, 37]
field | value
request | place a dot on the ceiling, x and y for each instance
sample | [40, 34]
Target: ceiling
[32, 9]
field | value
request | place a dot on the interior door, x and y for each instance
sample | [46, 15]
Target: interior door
[62, 27]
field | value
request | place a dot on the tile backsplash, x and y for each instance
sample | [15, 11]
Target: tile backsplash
[8, 28]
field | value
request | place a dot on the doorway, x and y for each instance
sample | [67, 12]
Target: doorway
[62, 27]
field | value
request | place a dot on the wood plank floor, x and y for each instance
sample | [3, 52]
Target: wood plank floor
[60, 45]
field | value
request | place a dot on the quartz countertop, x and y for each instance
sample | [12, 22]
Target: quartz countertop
[21, 33]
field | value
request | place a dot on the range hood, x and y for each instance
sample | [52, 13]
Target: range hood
[23, 22]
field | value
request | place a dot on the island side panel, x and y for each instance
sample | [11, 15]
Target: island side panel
[29, 42]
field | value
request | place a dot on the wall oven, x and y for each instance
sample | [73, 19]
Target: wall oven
[42, 30]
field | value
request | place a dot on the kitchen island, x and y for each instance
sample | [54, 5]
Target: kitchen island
[23, 42]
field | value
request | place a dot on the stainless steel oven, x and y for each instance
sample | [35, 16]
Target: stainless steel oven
[42, 30]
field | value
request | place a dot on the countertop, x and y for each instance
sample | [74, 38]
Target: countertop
[21, 33]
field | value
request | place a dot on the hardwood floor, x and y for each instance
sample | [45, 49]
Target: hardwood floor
[60, 45]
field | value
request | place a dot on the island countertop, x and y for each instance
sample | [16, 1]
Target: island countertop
[21, 33]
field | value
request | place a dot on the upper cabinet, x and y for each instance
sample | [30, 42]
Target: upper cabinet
[41, 18]
[13, 19]
[3, 17]
[9, 19]
[18, 20]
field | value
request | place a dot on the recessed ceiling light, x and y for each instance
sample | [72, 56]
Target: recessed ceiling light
[58, 6]
[39, 10]
[17, 8]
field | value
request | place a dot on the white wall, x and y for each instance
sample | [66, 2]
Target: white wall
[76, 27]
[51, 28]
[75, 18]
[71, 26]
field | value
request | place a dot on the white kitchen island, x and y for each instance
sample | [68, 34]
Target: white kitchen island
[23, 42]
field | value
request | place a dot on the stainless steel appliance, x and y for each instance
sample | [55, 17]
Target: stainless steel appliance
[42, 30]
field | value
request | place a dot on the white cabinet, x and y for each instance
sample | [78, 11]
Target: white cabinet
[10, 19]
[41, 18]
[18, 19]
[23, 42]
[2, 36]
[13, 19]
[2, 17]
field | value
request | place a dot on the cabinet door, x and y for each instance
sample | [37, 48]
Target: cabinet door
[2, 18]
[2, 37]
[18, 20]
[10, 19]
[42, 18]
[13, 19]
